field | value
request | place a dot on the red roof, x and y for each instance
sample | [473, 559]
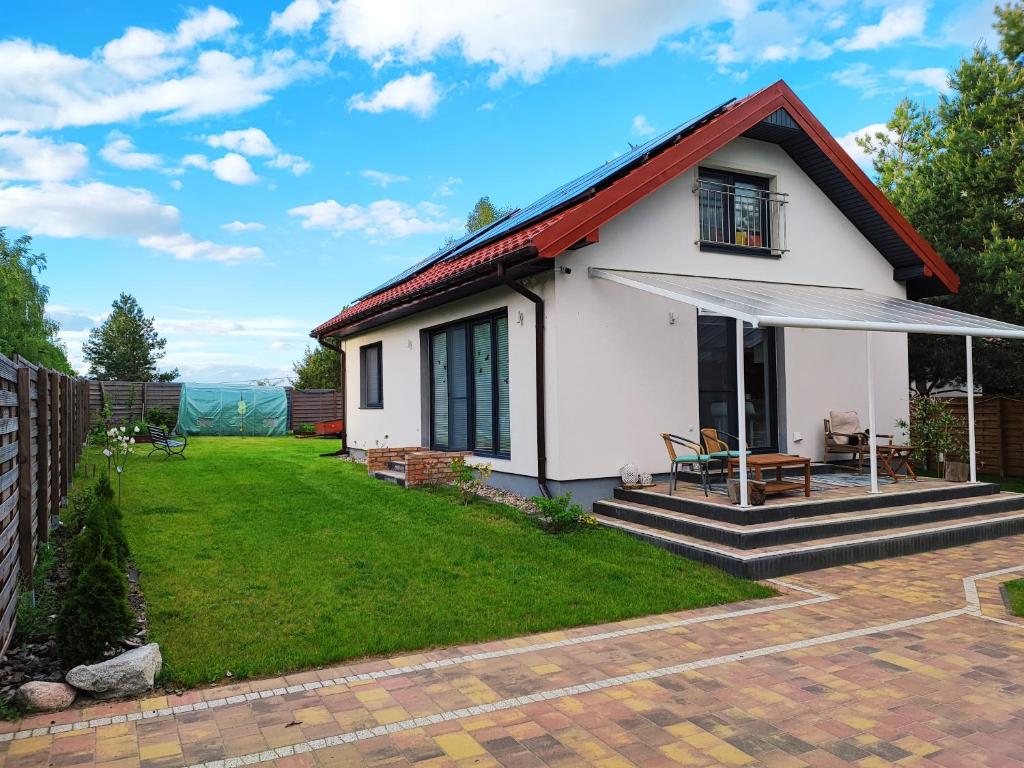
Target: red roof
[553, 235]
[441, 273]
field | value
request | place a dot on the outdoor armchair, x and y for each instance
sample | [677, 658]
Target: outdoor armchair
[689, 453]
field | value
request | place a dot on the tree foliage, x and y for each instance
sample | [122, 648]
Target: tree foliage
[24, 328]
[126, 346]
[956, 171]
[484, 212]
[319, 368]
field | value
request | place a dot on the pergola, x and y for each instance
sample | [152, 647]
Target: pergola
[786, 305]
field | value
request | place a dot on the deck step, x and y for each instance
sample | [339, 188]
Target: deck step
[390, 476]
[801, 529]
[824, 504]
[780, 560]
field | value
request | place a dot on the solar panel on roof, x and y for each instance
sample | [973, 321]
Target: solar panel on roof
[570, 192]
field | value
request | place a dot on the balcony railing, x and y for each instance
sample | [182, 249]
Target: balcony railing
[740, 217]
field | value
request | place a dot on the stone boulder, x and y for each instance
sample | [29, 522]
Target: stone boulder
[129, 674]
[40, 696]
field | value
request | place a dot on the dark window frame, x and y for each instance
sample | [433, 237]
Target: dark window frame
[364, 395]
[763, 184]
[467, 323]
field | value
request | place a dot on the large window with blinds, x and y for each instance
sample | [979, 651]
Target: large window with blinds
[469, 409]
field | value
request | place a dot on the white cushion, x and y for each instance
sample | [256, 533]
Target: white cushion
[846, 422]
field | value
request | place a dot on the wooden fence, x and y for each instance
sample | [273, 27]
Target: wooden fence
[44, 418]
[999, 432]
[132, 399]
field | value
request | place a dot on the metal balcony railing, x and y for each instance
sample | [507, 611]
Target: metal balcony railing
[740, 216]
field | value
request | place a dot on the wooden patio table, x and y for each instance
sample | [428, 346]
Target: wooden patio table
[894, 458]
[779, 461]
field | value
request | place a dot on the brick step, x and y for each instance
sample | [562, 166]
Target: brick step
[801, 507]
[398, 465]
[802, 529]
[390, 476]
[769, 562]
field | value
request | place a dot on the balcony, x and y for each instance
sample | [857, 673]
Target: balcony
[741, 217]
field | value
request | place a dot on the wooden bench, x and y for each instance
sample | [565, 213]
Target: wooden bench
[162, 442]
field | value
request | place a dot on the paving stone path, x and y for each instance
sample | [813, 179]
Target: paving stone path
[911, 661]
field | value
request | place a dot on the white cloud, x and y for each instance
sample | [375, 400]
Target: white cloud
[234, 169]
[381, 220]
[297, 165]
[641, 127]
[250, 141]
[895, 24]
[120, 151]
[848, 141]
[86, 210]
[40, 159]
[98, 210]
[186, 248]
[418, 94]
[383, 178]
[176, 184]
[519, 38]
[447, 187]
[298, 16]
[932, 77]
[255, 143]
[860, 77]
[196, 161]
[142, 72]
[243, 226]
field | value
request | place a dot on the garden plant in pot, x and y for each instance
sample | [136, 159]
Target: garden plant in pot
[938, 437]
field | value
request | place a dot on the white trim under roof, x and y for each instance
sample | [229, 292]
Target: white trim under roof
[809, 306]
[817, 306]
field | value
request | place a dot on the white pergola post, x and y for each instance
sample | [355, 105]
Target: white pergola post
[973, 460]
[741, 410]
[872, 449]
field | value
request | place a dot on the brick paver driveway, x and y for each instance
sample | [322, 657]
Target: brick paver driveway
[910, 661]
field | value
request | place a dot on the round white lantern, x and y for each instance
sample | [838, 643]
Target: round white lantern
[630, 474]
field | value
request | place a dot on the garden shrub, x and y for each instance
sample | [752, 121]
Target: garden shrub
[34, 615]
[306, 429]
[160, 417]
[469, 478]
[95, 614]
[560, 514]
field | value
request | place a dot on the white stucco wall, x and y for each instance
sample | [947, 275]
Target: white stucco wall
[398, 423]
[625, 373]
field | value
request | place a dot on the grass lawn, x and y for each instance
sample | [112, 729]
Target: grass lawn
[259, 557]
[1015, 591]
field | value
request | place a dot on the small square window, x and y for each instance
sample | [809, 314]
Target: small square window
[371, 376]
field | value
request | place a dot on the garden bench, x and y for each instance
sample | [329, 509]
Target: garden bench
[162, 442]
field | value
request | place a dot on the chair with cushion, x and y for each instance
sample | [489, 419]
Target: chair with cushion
[689, 453]
[845, 436]
[717, 448]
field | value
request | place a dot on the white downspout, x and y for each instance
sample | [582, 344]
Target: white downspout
[872, 432]
[970, 411]
[741, 410]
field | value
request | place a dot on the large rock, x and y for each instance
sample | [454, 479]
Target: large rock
[40, 696]
[129, 674]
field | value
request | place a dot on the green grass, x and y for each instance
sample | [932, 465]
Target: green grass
[259, 557]
[1015, 591]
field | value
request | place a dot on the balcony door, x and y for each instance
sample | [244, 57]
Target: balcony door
[716, 373]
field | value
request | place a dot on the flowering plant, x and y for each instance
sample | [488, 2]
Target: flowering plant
[119, 444]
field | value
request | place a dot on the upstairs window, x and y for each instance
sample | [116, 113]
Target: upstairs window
[371, 376]
[739, 213]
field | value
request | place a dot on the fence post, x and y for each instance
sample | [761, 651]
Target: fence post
[54, 442]
[25, 472]
[43, 455]
[65, 443]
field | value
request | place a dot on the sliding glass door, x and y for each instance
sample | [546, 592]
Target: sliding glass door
[469, 395]
[716, 373]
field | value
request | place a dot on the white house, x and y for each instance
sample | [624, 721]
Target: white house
[558, 343]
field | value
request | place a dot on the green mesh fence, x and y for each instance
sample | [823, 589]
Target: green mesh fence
[215, 409]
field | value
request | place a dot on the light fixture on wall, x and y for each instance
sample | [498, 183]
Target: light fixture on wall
[672, 318]
[520, 318]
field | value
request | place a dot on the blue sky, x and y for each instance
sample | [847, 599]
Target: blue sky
[246, 168]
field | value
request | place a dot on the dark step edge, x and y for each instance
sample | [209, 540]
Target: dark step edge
[846, 553]
[389, 476]
[397, 466]
[800, 508]
[795, 532]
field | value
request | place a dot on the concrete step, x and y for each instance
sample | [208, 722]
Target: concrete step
[398, 465]
[907, 494]
[769, 562]
[391, 476]
[801, 529]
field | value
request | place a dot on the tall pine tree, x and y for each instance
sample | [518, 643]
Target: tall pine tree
[957, 173]
[126, 346]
